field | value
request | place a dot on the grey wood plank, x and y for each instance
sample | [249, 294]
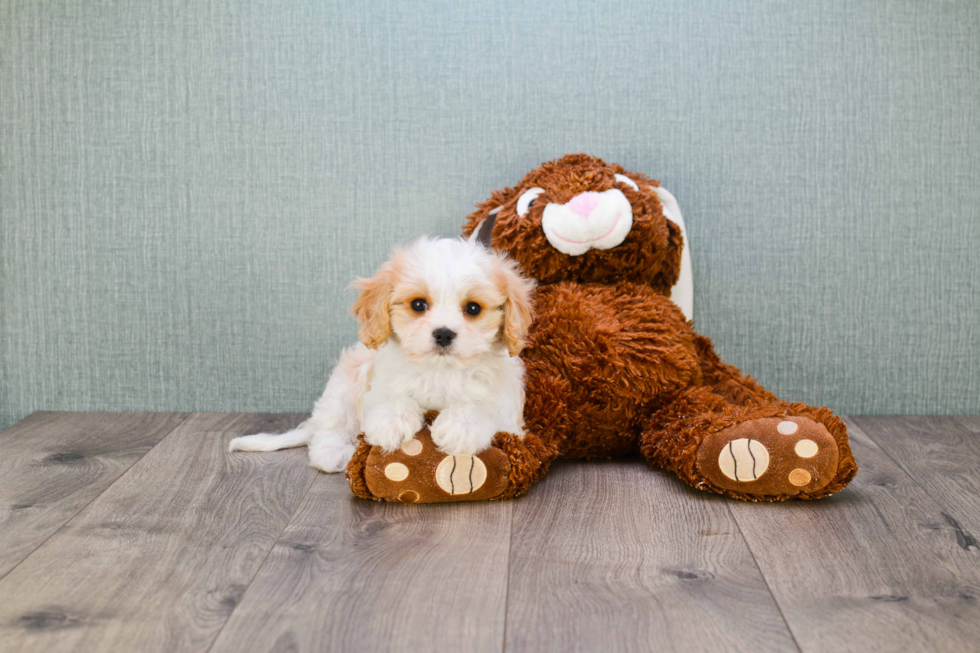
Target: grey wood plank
[969, 422]
[160, 559]
[943, 456]
[53, 464]
[613, 556]
[355, 575]
[876, 567]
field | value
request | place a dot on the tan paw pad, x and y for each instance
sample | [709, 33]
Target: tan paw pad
[787, 427]
[396, 471]
[743, 460]
[413, 447]
[799, 477]
[461, 474]
[806, 449]
[408, 496]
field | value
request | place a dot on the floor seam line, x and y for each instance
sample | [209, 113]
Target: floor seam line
[264, 560]
[510, 551]
[97, 496]
[765, 580]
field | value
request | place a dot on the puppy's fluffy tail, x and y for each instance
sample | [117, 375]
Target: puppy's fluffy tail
[298, 437]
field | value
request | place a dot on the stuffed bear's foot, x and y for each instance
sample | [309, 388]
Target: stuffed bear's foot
[770, 456]
[755, 452]
[419, 473]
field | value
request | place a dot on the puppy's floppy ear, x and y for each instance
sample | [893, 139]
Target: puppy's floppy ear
[518, 304]
[372, 306]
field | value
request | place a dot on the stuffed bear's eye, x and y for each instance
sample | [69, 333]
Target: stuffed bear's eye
[473, 308]
[419, 305]
[525, 201]
[626, 180]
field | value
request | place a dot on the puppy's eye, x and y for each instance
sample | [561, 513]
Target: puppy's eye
[525, 201]
[473, 308]
[623, 179]
[419, 305]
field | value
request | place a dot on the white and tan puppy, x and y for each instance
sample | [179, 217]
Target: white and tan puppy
[442, 323]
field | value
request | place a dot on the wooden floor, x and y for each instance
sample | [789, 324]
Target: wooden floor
[137, 531]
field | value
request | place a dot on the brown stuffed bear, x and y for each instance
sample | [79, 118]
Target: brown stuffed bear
[613, 367]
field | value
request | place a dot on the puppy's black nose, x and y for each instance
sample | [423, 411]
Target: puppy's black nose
[443, 336]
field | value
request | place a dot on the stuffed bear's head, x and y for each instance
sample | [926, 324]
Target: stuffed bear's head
[580, 219]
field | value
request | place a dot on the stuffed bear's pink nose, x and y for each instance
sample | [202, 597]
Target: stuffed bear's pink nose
[584, 203]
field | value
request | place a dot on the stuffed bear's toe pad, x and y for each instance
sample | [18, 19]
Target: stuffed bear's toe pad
[770, 456]
[461, 474]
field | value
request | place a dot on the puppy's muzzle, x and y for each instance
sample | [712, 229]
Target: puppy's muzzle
[443, 336]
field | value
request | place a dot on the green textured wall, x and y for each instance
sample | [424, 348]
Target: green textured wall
[188, 187]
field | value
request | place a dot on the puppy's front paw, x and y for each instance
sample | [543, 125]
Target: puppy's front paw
[456, 432]
[389, 429]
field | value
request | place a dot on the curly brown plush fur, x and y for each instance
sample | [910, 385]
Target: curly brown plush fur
[636, 377]
[356, 468]
[613, 368]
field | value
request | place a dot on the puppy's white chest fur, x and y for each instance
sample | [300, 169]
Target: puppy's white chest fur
[491, 387]
[438, 386]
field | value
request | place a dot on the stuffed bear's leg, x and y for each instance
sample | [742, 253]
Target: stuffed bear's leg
[735, 437]
[420, 473]
[760, 451]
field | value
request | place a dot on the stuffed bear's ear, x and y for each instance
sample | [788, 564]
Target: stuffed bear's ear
[682, 292]
[484, 229]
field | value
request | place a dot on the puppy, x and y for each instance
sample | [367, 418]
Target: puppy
[442, 323]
